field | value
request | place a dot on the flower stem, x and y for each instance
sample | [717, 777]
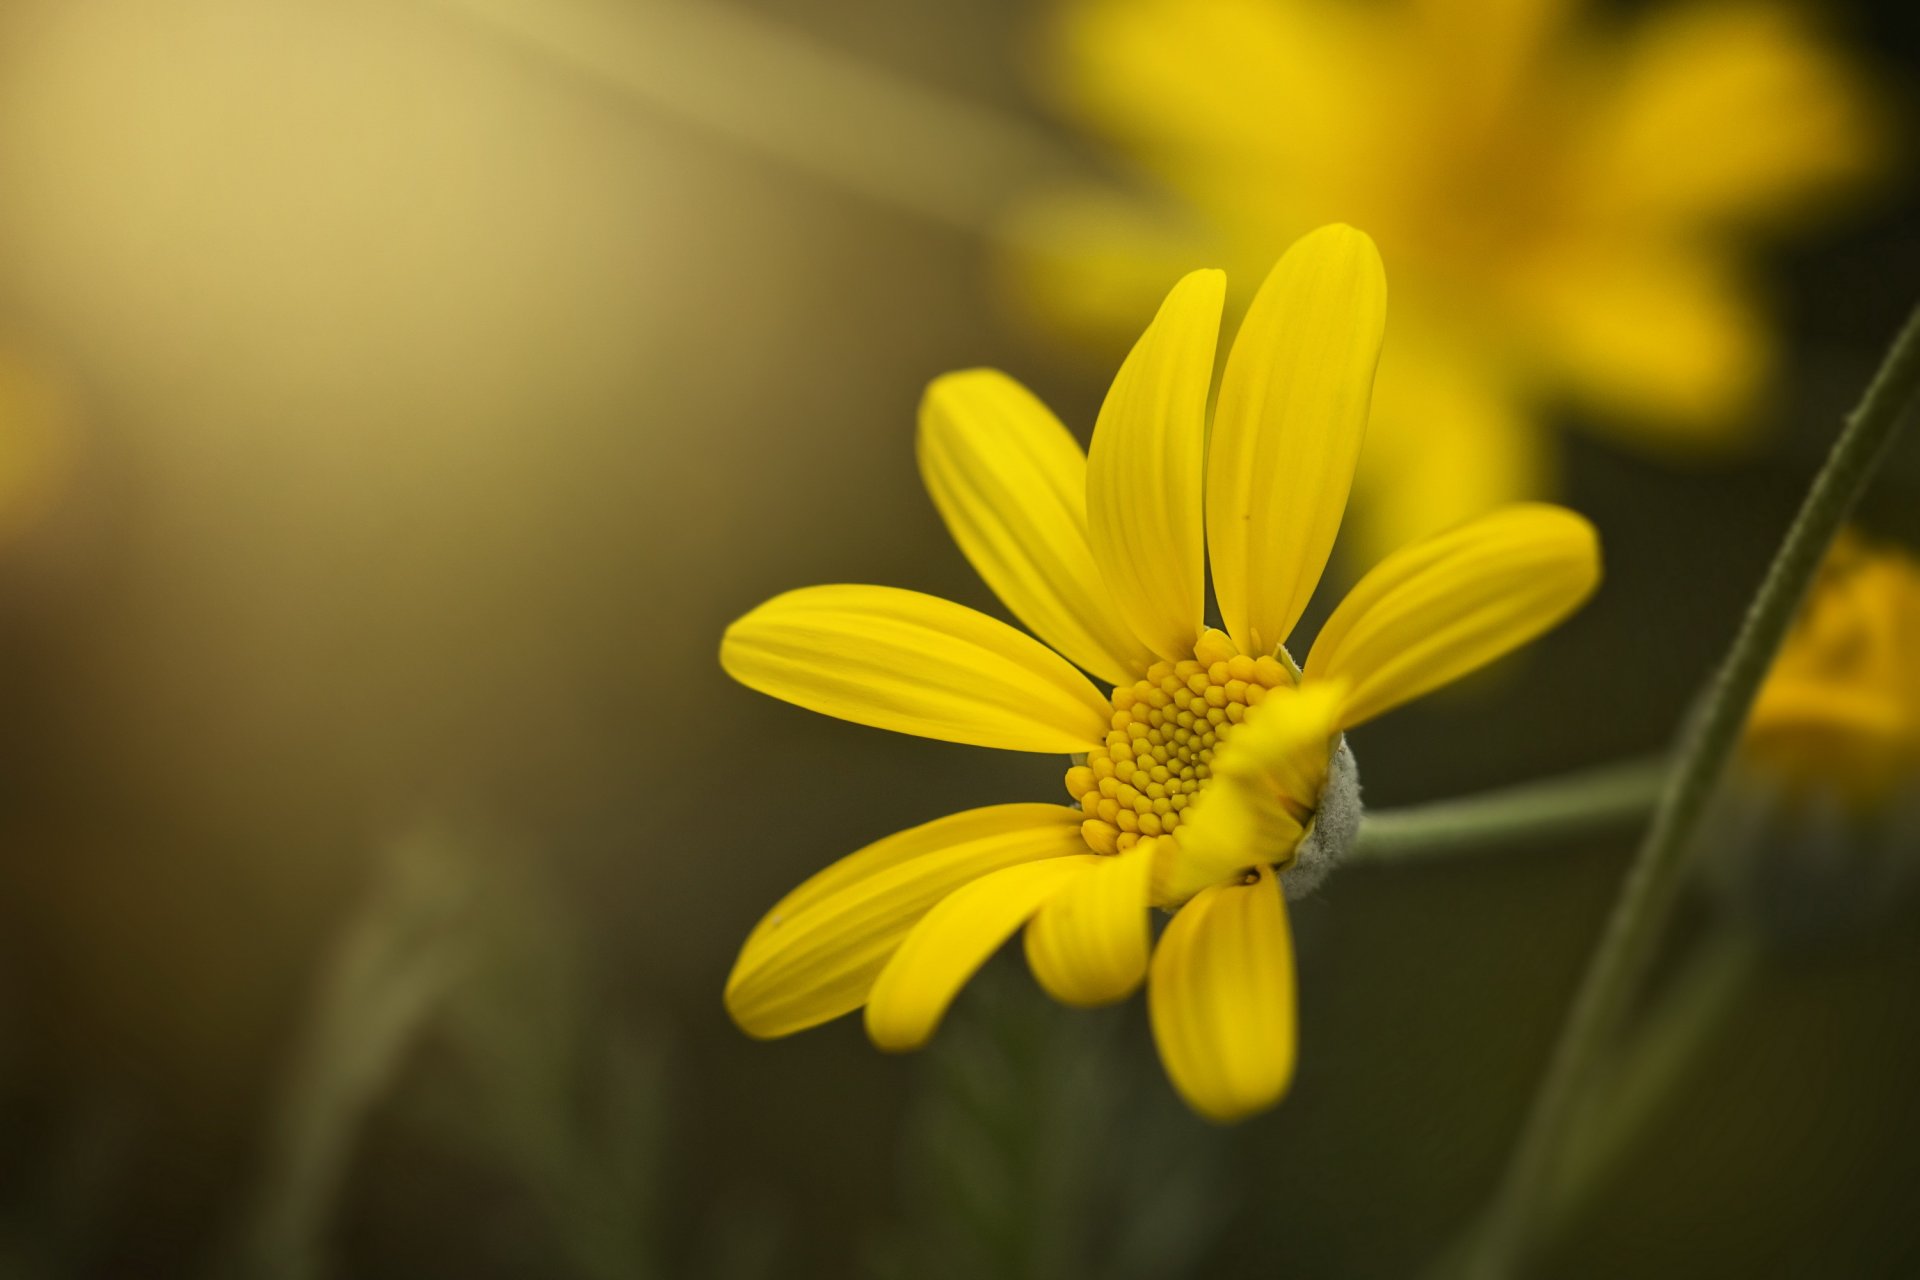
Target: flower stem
[1609, 800]
[771, 88]
[1641, 1076]
[1707, 744]
[1638, 1081]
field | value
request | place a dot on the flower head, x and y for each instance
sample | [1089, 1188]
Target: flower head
[1840, 711]
[1211, 771]
[1813, 838]
[1566, 206]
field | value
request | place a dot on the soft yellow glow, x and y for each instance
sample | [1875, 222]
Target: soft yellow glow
[1566, 204]
[1198, 778]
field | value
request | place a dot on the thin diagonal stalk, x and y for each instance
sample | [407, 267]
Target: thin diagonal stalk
[760, 84]
[1707, 744]
[1665, 1045]
[1611, 800]
[1639, 1080]
[389, 973]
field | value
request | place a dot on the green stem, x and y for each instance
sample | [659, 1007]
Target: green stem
[387, 976]
[766, 86]
[1639, 1080]
[1609, 800]
[1653, 884]
[1641, 1076]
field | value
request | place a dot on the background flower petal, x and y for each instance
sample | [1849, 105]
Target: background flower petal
[952, 941]
[1448, 604]
[1287, 431]
[1450, 436]
[916, 664]
[815, 955]
[1222, 999]
[1088, 945]
[1011, 483]
[1669, 342]
[1728, 114]
[1145, 470]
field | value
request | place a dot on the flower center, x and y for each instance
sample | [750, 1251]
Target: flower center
[1159, 750]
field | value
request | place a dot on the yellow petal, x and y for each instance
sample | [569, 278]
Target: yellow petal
[916, 664]
[1287, 432]
[1669, 342]
[1196, 94]
[1088, 944]
[1433, 611]
[1266, 781]
[1011, 483]
[816, 954]
[1495, 52]
[1452, 435]
[1144, 470]
[1222, 999]
[952, 941]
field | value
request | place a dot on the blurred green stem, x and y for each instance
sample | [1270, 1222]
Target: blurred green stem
[1707, 743]
[1639, 1079]
[388, 973]
[1610, 800]
[1634, 1082]
[770, 87]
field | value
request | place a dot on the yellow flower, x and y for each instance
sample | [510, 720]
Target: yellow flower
[40, 443]
[1566, 206]
[1215, 767]
[1840, 711]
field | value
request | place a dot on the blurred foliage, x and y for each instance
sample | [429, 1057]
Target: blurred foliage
[1039, 1145]
[456, 1009]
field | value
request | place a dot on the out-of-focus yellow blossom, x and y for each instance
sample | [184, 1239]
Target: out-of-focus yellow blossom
[1840, 711]
[1212, 766]
[37, 442]
[1565, 204]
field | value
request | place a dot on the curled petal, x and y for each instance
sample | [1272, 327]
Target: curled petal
[1088, 945]
[952, 941]
[1266, 781]
[1222, 1000]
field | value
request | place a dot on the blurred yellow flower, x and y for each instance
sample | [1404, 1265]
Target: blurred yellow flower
[1840, 711]
[1566, 206]
[1215, 768]
[38, 441]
